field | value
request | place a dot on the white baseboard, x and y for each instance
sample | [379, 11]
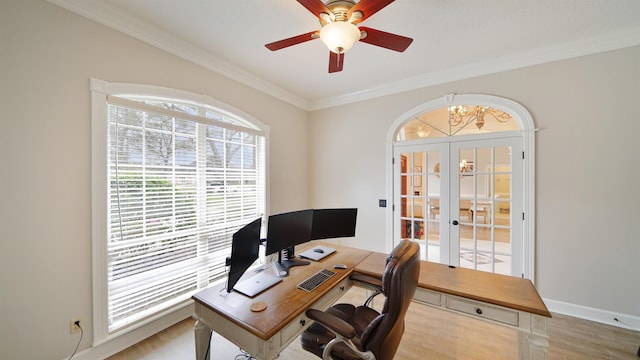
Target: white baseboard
[116, 344]
[625, 321]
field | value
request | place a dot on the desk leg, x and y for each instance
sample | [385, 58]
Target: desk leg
[534, 345]
[202, 336]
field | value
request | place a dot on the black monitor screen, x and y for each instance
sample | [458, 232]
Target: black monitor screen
[288, 229]
[333, 223]
[244, 251]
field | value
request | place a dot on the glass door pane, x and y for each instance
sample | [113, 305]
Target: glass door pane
[419, 194]
[431, 197]
[484, 177]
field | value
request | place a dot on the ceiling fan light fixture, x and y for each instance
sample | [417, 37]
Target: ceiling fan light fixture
[339, 20]
[339, 36]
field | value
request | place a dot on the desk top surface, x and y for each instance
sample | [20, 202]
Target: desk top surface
[284, 300]
[508, 291]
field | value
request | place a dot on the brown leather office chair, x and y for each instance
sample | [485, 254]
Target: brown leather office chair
[347, 332]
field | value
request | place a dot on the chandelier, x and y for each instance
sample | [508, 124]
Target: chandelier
[462, 115]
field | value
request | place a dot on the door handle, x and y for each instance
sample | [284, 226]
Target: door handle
[455, 222]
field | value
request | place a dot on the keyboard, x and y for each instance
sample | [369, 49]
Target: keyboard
[315, 280]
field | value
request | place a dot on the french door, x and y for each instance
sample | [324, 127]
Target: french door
[462, 202]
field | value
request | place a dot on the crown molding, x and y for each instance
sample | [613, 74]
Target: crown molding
[116, 19]
[121, 21]
[608, 42]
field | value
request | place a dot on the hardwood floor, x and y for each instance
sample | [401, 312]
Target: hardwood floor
[430, 334]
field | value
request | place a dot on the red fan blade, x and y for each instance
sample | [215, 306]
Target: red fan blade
[277, 45]
[315, 6]
[384, 39]
[335, 62]
[367, 8]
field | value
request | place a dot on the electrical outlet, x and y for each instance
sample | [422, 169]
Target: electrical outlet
[74, 325]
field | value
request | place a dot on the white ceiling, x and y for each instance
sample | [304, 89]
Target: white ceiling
[453, 39]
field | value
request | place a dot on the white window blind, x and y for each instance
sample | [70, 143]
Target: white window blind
[182, 178]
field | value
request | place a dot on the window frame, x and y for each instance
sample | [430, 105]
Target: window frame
[100, 93]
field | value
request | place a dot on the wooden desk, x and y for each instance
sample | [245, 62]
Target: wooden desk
[265, 334]
[491, 297]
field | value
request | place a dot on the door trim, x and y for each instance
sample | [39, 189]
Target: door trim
[527, 132]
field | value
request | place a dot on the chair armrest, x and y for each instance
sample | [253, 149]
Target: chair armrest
[333, 323]
[367, 281]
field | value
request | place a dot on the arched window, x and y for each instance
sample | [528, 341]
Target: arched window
[175, 174]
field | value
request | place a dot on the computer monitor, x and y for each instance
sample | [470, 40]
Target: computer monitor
[333, 223]
[244, 251]
[284, 231]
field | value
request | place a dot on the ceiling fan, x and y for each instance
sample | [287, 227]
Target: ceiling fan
[339, 32]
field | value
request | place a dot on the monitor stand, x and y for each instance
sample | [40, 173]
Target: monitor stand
[283, 265]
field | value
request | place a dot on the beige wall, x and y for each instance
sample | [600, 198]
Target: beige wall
[47, 56]
[587, 247]
[587, 199]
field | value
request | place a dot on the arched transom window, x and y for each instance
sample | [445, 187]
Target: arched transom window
[457, 120]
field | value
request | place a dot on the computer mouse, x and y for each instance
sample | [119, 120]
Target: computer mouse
[339, 266]
[318, 251]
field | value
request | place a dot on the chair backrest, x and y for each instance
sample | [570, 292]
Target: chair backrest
[399, 281]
